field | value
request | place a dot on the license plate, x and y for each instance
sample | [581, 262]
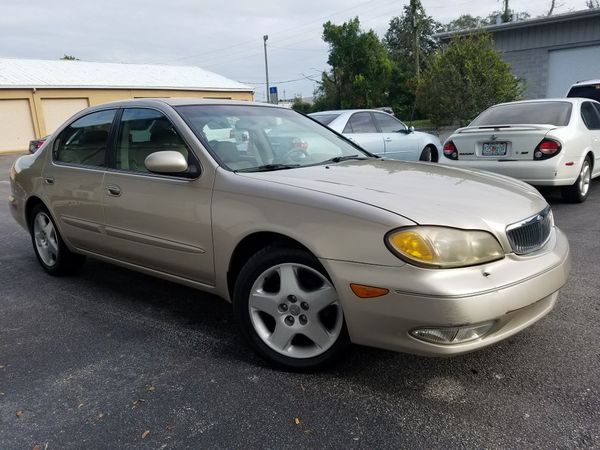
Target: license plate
[494, 149]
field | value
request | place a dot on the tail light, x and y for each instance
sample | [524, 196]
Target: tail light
[450, 150]
[546, 149]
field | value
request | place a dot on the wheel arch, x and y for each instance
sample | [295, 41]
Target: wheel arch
[435, 156]
[251, 244]
[29, 205]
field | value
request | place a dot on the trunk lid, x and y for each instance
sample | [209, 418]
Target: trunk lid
[499, 143]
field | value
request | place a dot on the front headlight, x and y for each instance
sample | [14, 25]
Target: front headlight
[440, 247]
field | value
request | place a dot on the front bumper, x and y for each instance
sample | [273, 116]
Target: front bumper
[514, 292]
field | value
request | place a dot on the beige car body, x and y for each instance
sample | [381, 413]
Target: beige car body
[199, 231]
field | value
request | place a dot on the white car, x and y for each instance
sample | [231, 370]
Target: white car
[547, 142]
[382, 134]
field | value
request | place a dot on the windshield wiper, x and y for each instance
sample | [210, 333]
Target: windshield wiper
[268, 167]
[338, 159]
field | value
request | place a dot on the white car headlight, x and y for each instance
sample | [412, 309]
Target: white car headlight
[441, 247]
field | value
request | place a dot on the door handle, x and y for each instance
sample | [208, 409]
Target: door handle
[113, 190]
[49, 180]
[387, 139]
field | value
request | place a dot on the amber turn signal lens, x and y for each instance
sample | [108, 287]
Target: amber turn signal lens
[362, 291]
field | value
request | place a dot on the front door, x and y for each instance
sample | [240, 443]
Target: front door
[158, 222]
[361, 130]
[399, 142]
[73, 182]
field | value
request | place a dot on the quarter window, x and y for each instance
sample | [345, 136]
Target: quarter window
[387, 124]
[361, 123]
[84, 142]
[142, 132]
[590, 116]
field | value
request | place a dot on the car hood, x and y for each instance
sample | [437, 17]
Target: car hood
[424, 193]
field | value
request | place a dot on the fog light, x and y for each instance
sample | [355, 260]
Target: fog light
[452, 335]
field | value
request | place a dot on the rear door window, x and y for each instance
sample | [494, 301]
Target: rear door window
[84, 142]
[361, 122]
[590, 116]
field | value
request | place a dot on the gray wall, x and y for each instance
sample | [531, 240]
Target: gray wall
[526, 48]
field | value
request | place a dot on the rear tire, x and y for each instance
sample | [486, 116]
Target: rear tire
[288, 310]
[49, 247]
[579, 191]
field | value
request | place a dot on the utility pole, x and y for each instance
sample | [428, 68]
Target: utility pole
[265, 37]
[505, 14]
[413, 10]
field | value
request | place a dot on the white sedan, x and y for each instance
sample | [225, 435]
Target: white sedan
[547, 142]
[382, 134]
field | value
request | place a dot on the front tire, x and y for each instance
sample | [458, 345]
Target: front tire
[49, 247]
[288, 309]
[427, 155]
[578, 192]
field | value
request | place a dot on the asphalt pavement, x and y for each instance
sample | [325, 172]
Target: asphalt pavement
[111, 358]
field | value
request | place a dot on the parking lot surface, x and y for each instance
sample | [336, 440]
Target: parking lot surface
[111, 358]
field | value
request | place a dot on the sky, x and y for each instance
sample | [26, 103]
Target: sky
[224, 36]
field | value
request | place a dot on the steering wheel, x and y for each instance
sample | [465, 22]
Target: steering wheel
[296, 154]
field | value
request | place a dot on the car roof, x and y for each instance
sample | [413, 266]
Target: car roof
[345, 111]
[586, 82]
[181, 101]
[573, 100]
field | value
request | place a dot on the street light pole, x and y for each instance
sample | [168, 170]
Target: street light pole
[265, 37]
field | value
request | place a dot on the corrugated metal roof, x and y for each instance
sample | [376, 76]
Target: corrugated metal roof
[507, 26]
[30, 73]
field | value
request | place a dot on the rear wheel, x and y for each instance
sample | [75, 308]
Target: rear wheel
[578, 192]
[49, 248]
[289, 310]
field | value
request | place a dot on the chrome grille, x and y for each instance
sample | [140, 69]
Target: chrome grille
[531, 234]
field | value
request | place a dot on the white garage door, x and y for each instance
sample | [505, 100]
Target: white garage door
[16, 126]
[568, 66]
[57, 110]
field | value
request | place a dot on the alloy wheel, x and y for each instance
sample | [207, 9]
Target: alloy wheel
[46, 240]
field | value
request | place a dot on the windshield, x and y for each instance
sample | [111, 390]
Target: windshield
[586, 91]
[249, 138]
[536, 113]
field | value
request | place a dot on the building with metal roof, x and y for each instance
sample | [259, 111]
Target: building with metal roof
[549, 53]
[36, 96]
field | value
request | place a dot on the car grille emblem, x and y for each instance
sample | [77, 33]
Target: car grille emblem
[493, 137]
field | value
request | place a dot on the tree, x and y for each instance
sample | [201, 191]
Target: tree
[465, 78]
[360, 68]
[301, 106]
[69, 58]
[414, 25]
[465, 22]
[592, 4]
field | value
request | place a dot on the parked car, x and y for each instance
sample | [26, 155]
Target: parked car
[548, 142]
[35, 144]
[382, 134]
[313, 252]
[586, 89]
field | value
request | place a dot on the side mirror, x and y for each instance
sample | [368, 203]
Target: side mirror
[411, 129]
[166, 162]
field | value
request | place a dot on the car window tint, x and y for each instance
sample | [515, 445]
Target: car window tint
[590, 116]
[387, 124]
[361, 123]
[85, 140]
[590, 91]
[540, 113]
[325, 119]
[142, 132]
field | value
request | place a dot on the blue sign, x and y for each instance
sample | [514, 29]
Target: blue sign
[273, 90]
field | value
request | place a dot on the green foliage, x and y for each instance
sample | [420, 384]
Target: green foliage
[465, 22]
[69, 58]
[403, 31]
[465, 78]
[301, 106]
[360, 68]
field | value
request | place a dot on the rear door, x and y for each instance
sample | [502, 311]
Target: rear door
[73, 182]
[399, 142]
[361, 129]
[155, 221]
[590, 113]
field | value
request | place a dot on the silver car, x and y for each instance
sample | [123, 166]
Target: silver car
[382, 134]
[315, 248]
